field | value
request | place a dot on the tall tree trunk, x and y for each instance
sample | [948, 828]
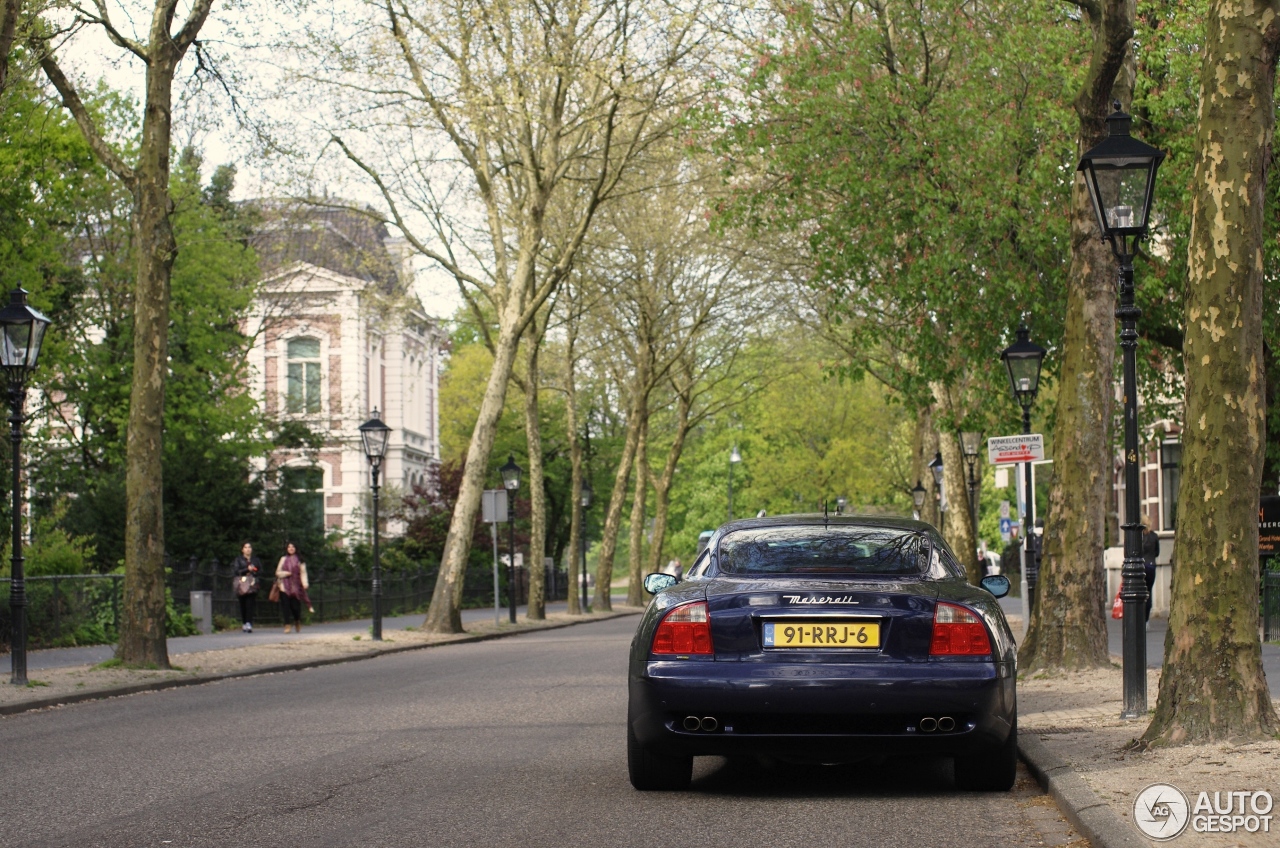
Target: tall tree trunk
[639, 502]
[957, 526]
[537, 609]
[576, 515]
[617, 499]
[142, 628]
[1213, 686]
[9, 11]
[662, 486]
[142, 620]
[928, 439]
[443, 615]
[1066, 628]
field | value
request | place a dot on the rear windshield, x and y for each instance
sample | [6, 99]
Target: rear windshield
[820, 550]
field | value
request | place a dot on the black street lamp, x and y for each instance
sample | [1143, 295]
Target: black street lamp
[374, 434]
[841, 503]
[734, 459]
[936, 467]
[511, 482]
[21, 332]
[586, 504]
[1120, 173]
[970, 445]
[1023, 359]
[917, 496]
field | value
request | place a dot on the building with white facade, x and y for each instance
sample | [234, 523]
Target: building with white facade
[337, 334]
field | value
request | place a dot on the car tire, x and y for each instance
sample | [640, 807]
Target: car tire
[650, 771]
[991, 771]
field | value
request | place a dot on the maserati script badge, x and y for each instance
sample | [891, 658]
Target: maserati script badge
[820, 599]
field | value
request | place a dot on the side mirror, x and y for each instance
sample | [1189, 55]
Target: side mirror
[657, 581]
[996, 584]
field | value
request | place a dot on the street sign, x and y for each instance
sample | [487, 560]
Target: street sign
[493, 506]
[1006, 528]
[1003, 450]
[1004, 509]
[1268, 526]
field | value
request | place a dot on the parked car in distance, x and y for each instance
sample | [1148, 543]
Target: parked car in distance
[823, 639]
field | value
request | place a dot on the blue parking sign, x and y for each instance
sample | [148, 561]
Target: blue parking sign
[1006, 526]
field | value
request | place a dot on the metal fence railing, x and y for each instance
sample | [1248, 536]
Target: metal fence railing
[84, 609]
[1270, 611]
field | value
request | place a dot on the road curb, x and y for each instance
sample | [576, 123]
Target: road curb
[1093, 818]
[200, 679]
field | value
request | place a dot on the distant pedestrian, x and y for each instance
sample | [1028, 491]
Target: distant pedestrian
[291, 576]
[248, 571]
[1150, 552]
[675, 569]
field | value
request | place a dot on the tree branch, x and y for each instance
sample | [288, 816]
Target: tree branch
[71, 100]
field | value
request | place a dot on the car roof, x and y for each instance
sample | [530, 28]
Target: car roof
[817, 519]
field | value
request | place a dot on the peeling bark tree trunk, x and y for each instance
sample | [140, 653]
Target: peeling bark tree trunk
[575, 476]
[537, 609]
[142, 613]
[1067, 629]
[444, 614]
[618, 497]
[9, 11]
[662, 486]
[1213, 687]
[957, 527]
[928, 437]
[639, 502]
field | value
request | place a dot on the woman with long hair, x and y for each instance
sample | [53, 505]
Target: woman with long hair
[291, 576]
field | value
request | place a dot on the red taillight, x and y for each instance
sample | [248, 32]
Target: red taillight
[684, 630]
[958, 632]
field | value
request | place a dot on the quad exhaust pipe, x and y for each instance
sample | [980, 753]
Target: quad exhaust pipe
[706, 724]
[945, 724]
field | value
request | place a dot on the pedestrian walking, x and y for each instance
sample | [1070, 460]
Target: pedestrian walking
[247, 570]
[291, 578]
[1150, 552]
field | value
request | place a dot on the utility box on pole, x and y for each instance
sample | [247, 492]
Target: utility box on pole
[202, 611]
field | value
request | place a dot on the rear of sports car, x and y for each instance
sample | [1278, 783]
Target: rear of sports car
[823, 668]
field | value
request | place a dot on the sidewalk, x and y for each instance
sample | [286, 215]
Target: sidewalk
[68, 675]
[1072, 739]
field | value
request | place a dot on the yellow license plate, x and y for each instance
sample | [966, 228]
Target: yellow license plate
[817, 633]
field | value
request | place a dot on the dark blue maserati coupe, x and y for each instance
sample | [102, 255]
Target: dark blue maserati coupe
[823, 639]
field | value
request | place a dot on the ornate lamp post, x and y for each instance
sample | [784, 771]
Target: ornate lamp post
[511, 482]
[841, 503]
[1120, 173]
[586, 504]
[917, 496]
[734, 458]
[21, 332]
[374, 434]
[1023, 359]
[936, 467]
[970, 445]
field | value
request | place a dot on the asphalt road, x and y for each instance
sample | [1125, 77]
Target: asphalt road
[517, 741]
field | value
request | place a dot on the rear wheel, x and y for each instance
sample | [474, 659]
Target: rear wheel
[653, 771]
[991, 771]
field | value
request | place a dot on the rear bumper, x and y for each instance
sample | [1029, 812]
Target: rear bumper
[823, 712]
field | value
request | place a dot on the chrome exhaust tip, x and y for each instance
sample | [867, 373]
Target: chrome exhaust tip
[709, 724]
[928, 725]
[692, 723]
[946, 724]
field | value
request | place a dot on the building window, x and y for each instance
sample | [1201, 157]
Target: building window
[1171, 480]
[304, 493]
[303, 394]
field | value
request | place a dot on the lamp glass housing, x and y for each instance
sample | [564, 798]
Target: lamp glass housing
[735, 456]
[511, 474]
[936, 467]
[374, 434]
[1120, 174]
[1023, 359]
[586, 494]
[917, 494]
[970, 444]
[21, 334]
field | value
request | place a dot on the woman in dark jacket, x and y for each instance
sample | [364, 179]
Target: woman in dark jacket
[1150, 552]
[247, 565]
